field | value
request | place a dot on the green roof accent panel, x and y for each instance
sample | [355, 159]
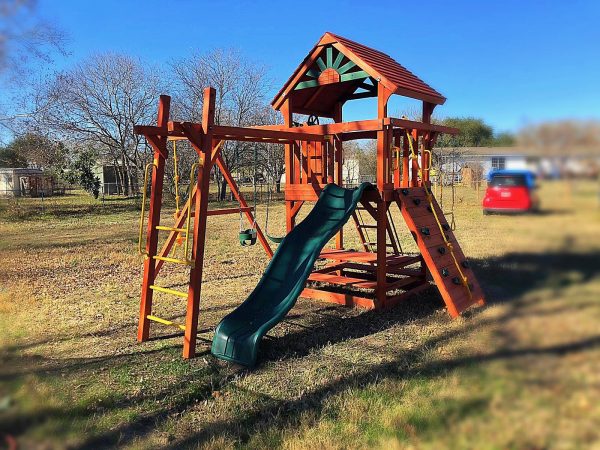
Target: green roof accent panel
[313, 73]
[338, 60]
[306, 84]
[354, 75]
[331, 58]
[321, 64]
[346, 67]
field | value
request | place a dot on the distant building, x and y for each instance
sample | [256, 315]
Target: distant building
[26, 182]
[110, 183]
[350, 173]
[545, 162]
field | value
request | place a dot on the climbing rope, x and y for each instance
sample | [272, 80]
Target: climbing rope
[463, 278]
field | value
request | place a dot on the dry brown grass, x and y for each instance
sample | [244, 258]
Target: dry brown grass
[522, 372]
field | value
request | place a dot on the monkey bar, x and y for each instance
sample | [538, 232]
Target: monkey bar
[379, 275]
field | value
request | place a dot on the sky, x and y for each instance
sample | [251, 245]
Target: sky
[511, 63]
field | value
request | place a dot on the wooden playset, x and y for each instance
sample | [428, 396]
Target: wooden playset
[378, 275]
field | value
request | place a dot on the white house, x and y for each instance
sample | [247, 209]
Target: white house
[545, 162]
[25, 182]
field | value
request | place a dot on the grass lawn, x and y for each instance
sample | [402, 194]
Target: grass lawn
[522, 372]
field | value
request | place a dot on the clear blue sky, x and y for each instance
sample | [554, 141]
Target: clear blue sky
[510, 62]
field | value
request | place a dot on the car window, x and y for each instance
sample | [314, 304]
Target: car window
[508, 180]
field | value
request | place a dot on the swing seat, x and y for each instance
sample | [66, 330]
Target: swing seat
[274, 239]
[247, 237]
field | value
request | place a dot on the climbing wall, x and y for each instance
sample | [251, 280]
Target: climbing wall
[447, 271]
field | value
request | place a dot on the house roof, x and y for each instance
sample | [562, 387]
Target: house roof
[315, 88]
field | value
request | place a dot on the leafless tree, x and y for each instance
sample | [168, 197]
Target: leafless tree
[563, 134]
[25, 39]
[241, 88]
[98, 103]
[271, 157]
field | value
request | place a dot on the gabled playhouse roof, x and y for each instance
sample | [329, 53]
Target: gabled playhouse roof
[338, 69]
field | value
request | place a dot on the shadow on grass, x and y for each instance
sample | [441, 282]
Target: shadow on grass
[508, 278]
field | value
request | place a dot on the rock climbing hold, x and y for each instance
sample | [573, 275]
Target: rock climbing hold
[417, 201]
[425, 231]
[445, 272]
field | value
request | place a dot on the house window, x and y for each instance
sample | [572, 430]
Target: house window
[498, 163]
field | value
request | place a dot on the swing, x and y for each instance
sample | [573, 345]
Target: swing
[273, 239]
[247, 236]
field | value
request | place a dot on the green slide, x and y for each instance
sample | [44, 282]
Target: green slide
[238, 335]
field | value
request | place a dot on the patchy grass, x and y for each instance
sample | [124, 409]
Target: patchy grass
[523, 372]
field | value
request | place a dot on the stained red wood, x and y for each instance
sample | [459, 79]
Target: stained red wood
[345, 299]
[203, 144]
[313, 158]
[455, 296]
[159, 145]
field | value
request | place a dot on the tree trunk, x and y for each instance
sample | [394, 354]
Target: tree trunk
[223, 190]
[126, 175]
[278, 186]
[118, 176]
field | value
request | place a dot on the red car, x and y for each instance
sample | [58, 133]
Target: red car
[510, 191]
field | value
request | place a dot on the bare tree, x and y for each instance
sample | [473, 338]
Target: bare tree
[25, 39]
[98, 103]
[562, 134]
[241, 88]
[271, 157]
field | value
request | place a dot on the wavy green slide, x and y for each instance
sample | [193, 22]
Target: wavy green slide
[238, 335]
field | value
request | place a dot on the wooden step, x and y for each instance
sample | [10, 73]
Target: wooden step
[366, 257]
[342, 280]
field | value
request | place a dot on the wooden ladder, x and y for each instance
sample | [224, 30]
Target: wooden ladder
[370, 245]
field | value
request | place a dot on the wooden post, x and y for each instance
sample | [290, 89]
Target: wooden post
[159, 145]
[203, 143]
[286, 110]
[414, 177]
[427, 141]
[383, 141]
[383, 176]
[405, 161]
[338, 161]
[396, 168]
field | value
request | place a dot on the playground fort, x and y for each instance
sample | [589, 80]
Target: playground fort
[378, 274]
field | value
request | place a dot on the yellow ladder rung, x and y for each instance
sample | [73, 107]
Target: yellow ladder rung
[165, 322]
[174, 260]
[164, 228]
[169, 291]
